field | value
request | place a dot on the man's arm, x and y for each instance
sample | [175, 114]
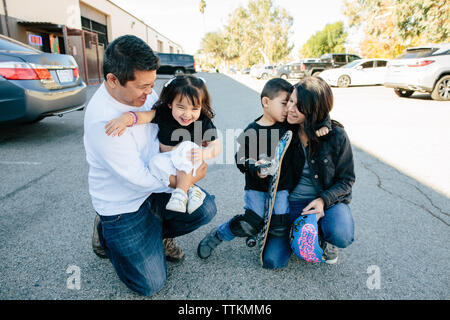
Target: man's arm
[120, 156]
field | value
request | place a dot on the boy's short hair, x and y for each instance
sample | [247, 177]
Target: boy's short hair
[273, 87]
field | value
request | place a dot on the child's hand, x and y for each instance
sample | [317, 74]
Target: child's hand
[117, 126]
[257, 163]
[322, 132]
[195, 155]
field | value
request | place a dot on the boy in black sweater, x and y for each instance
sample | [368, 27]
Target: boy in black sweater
[256, 144]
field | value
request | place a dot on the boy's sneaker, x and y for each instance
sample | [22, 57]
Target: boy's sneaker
[195, 198]
[177, 201]
[96, 245]
[208, 244]
[330, 252]
[172, 251]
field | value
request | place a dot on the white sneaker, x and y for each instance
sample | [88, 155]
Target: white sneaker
[195, 198]
[177, 201]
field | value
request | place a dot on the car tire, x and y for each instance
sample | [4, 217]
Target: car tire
[316, 73]
[284, 76]
[441, 90]
[265, 76]
[344, 81]
[178, 72]
[403, 92]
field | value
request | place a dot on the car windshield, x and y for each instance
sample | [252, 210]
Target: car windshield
[351, 64]
[417, 53]
[9, 46]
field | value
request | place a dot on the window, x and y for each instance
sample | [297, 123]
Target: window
[98, 28]
[339, 58]
[417, 53]
[368, 64]
[381, 63]
[353, 57]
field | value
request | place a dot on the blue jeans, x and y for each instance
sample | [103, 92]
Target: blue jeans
[256, 201]
[133, 241]
[336, 227]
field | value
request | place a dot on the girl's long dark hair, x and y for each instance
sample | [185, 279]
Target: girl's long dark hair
[314, 101]
[187, 86]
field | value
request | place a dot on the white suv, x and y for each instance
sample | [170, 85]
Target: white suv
[423, 69]
[261, 71]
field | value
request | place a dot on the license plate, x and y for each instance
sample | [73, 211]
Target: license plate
[65, 75]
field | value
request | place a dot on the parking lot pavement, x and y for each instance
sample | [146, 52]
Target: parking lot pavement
[400, 206]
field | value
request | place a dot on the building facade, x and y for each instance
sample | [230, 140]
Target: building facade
[82, 29]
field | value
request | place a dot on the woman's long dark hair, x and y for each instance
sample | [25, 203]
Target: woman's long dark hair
[188, 86]
[314, 101]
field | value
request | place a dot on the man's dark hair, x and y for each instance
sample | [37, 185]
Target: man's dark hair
[127, 54]
[273, 87]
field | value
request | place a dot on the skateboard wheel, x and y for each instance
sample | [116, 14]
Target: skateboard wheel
[251, 242]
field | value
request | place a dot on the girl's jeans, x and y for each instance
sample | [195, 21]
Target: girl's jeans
[336, 227]
[133, 241]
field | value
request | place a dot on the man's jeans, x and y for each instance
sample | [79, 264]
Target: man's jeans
[133, 241]
[336, 227]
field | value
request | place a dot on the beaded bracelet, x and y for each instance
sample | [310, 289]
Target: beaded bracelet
[135, 118]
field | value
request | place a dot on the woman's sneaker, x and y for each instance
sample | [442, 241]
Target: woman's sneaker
[195, 198]
[177, 201]
[330, 252]
[208, 244]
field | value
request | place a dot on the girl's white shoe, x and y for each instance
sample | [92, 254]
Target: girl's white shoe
[195, 198]
[177, 201]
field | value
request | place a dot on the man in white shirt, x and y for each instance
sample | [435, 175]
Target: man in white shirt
[129, 200]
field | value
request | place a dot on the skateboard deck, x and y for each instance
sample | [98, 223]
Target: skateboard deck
[275, 170]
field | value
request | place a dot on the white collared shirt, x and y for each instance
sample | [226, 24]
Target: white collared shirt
[119, 177]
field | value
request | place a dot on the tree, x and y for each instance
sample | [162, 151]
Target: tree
[331, 39]
[256, 33]
[392, 25]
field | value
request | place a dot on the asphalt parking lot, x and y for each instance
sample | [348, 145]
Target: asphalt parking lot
[401, 207]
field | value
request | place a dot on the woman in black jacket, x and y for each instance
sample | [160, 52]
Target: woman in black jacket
[322, 171]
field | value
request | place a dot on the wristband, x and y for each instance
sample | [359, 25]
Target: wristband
[135, 118]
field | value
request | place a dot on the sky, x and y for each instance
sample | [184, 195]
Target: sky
[181, 21]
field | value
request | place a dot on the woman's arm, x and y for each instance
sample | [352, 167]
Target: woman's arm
[118, 125]
[344, 175]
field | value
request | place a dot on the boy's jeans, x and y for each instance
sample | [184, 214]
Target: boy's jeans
[133, 241]
[336, 227]
[256, 201]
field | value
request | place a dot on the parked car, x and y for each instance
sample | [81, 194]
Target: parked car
[245, 71]
[327, 61]
[263, 71]
[176, 63]
[291, 70]
[358, 72]
[422, 69]
[35, 85]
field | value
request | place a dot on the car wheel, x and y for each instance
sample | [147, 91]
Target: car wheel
[284, 76]
[316, 73]
[441, 90]
[265, 76]
[343, 81]
[403, 92]
[178, 72]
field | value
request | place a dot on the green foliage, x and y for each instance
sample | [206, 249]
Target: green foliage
[202, 6]
[254, 34]
[330, 40]
[392, 25]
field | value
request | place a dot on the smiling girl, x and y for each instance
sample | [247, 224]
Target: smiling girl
[186, 134]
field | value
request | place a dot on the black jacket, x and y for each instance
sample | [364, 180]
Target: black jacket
[332, 168]
[255, 141]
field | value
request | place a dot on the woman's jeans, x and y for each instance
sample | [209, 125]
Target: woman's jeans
[133, 241]
[336, 227]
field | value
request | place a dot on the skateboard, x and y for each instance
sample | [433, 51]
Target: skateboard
[273, 170]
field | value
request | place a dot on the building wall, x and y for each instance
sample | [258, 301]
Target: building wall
[69, 12]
